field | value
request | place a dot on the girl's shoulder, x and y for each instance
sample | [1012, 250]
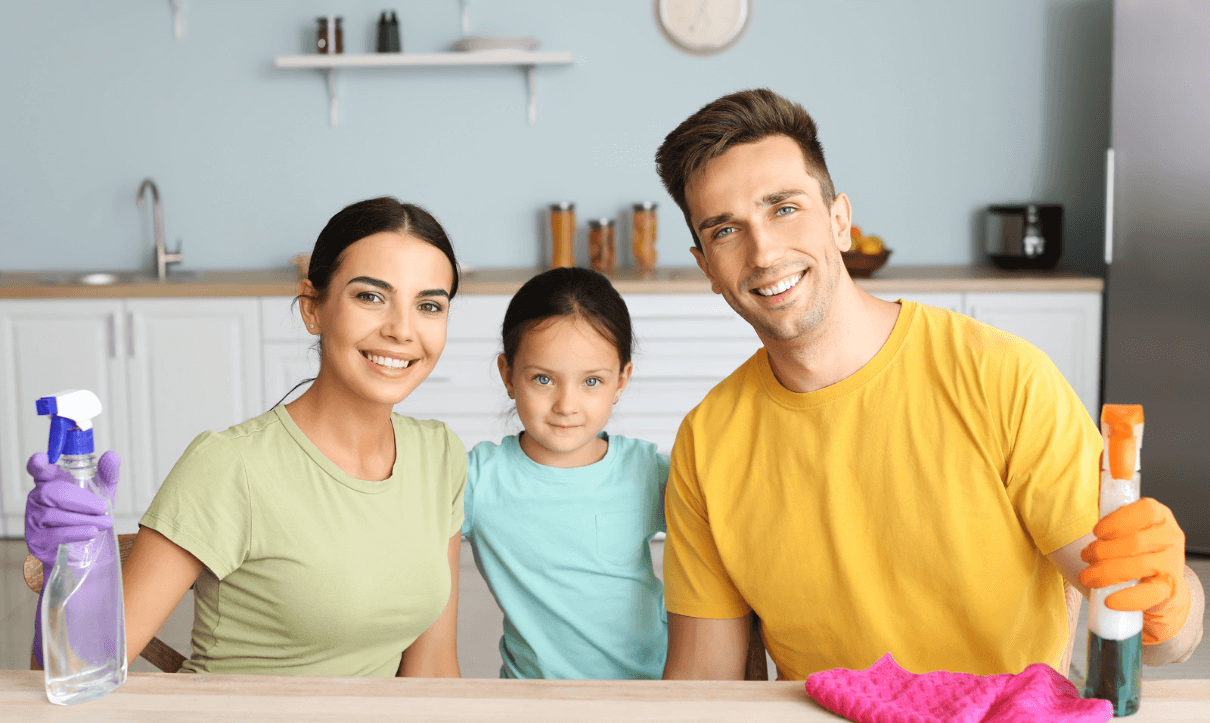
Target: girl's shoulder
[633, 447]
[488, 452]
[639, 454]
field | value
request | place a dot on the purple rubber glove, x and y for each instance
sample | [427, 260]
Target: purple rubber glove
[59, 511]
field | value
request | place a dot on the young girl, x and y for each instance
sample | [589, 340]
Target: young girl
[321, 537]
[560, 516]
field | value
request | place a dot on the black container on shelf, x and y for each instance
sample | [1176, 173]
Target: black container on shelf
[1024, 236]
[388, 33]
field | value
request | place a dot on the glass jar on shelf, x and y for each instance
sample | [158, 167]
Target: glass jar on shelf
[561, 228]
[602, 249]
[643, 228]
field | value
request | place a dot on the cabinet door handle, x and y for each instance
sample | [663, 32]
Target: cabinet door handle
[1109, 206]
[130, 334]
[112, 329]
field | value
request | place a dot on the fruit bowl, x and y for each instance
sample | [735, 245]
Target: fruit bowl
[862, 266]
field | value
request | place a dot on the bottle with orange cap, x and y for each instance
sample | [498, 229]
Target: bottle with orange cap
[1115, 637]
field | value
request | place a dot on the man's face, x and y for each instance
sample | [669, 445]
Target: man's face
[770, 245]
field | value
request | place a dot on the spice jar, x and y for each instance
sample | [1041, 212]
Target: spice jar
[643, 235]
[562, 228]
[601, 248]
[330, 38]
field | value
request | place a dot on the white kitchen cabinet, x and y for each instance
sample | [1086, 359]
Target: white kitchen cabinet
[685, 345]
[164, 369]
[465, 390]
[195, 364]
[1064, 325]
[48, 346]
[951, 300]
[168, 369]
[289, 352]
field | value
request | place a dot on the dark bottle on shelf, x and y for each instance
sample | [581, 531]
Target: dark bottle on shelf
[393, 43]
[384, 44]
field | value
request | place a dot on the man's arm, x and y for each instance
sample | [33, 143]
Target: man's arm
[1176, 649]
[706, 649]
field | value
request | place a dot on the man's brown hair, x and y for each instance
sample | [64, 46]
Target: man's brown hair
[744, 117]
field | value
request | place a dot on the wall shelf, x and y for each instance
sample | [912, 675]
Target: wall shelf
[526, 60]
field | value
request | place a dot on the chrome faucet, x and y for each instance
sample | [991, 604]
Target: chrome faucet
[162, 257]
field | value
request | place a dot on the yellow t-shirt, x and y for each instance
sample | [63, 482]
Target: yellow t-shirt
[309, 571]
[905, 509]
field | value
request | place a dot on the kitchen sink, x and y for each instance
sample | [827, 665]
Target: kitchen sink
[110, 278]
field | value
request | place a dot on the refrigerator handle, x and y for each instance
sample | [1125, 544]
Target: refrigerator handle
[1109, 206]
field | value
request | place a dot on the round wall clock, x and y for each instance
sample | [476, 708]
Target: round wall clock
[702, 27]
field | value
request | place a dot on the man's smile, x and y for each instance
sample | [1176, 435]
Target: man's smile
[780, 287]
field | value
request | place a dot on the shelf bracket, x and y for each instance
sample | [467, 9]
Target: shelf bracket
[178, 22]
[533, 95]
[333, 117]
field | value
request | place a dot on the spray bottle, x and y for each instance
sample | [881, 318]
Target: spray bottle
[83, 622]
[1115, 638]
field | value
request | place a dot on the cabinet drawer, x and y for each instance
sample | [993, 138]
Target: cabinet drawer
[280, 319]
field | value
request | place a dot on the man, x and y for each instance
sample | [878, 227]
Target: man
[880, 477]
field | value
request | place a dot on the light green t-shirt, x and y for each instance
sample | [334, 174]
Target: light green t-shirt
[309, 571]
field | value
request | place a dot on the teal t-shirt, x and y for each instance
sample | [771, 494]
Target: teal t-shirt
[565, 552]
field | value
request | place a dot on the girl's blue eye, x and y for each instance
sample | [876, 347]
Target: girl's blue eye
[592, 381]
[542, 379]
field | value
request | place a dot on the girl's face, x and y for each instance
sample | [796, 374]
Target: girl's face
[384, 318]
[566, 378]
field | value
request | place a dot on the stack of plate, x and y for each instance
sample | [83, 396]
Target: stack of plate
[474, 43]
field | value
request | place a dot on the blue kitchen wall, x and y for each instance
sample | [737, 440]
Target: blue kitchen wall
[928, 110]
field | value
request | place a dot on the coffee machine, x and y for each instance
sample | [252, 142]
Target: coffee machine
[1025, 236]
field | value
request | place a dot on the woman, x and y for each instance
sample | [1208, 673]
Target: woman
[322, 538]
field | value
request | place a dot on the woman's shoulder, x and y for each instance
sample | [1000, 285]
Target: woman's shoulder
[426, 434]
[267, 429]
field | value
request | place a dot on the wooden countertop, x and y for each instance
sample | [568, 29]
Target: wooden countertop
[163, 696]
[664, 280]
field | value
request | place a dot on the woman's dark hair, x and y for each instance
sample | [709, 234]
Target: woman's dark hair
[366, 218]
[568, 292]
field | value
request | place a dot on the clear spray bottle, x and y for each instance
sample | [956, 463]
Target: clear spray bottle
[1115, 638]
[83, 622]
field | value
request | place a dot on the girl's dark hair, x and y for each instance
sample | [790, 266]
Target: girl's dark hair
[567, 292]
[366, 218]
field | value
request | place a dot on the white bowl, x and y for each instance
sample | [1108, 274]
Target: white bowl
[475, 43]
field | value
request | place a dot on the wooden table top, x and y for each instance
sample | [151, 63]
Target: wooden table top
[161, 696]
[663, 280]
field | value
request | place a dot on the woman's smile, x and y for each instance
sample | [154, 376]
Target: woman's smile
[388, 361]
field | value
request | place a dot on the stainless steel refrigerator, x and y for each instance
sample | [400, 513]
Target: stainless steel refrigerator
[1157, 294]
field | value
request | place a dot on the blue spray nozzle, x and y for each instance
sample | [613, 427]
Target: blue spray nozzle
[71, 414]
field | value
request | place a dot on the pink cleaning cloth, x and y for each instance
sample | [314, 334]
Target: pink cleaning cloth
[886, 693]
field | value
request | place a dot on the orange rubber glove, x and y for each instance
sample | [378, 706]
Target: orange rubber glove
[1141, 541]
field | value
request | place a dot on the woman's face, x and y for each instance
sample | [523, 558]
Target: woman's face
[384, 316]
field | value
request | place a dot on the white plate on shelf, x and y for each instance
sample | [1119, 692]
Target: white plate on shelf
[475, 43]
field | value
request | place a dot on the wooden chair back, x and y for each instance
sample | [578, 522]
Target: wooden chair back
[157, 652]
[757, 668]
